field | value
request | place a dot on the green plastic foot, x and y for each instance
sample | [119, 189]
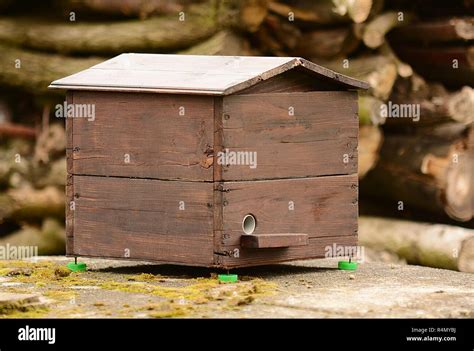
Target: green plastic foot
[77, 267]
[347, 265]
[228, 278]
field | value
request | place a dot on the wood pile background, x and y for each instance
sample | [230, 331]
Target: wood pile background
[412, 52]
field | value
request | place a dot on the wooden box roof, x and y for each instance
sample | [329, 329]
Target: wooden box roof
[192, 74]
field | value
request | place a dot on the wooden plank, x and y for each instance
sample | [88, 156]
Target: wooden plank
[144, 219]
[215, 75]
[293, 134]
[147, 131]
[217, 206]
[316, 248]
[266, 241]
[70, 206]
[319, 207]
[296, 80]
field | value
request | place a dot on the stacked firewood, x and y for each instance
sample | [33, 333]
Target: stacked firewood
[416, 149]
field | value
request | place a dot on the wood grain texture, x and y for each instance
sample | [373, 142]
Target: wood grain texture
[69, 182]
[296, 80]
[316, 248]
[143, 217]
[193, 74]
[315, 141]
[160, 142]
[266, 241]
[322, 207]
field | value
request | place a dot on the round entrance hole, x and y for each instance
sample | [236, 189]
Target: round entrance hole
[249, 223]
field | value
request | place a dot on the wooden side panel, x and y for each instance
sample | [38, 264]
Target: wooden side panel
[292, 135]
[69, 205]
[296, 80]
[145, 136]
[324, 208]
[144, 219]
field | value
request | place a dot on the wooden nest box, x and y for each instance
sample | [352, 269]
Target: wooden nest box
[210, 160]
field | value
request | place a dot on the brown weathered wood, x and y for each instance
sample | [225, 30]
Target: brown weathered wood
[318, 207]
[218, 231]
[319, 139]
[145, 219]
[292, 81]
[70, 204]
[316, 248]
[267, 241]
[192, 74]
[148, 179]
[159, 142]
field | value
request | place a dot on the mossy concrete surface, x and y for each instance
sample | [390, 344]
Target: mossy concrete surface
[315, 288]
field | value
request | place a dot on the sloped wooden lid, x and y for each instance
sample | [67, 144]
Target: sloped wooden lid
[192, 74]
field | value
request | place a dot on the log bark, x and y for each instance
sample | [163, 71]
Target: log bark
[157, 34]
[328, 43]
[49, 238]
[430, 170]
[37, 70]
[128, 8]
[28, 204]
[437, 105]
[432, 245]
[226, 42]
[451, 65]
[370, 141]
[378, 70]
[17, 131]
[370, 110]
[446, 30]
[323, 12]
[376, 29]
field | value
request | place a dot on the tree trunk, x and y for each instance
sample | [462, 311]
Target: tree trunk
[433, 245]
[157, 34]
[37, 70]
[328, 43]
[225, 43]
[49, 239]
[430, 170]
[28, 204]
[379, 71]
[436, 106]
[128, 8]
[444, 30]
[310, 13]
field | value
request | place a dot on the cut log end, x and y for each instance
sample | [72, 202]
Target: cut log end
[464, 28]
[459, 195]
[461, 105]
